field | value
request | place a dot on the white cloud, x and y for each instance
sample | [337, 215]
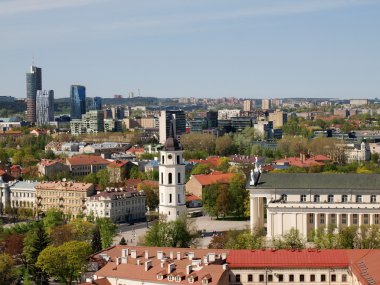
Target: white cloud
[9, 7]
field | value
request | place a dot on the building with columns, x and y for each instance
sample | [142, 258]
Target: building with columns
[172, 178]
[307, 202]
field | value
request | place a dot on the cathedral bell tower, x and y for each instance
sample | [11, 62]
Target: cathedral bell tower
[172, 178]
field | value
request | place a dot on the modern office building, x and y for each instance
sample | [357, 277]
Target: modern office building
[94, 103]
[44, 107]
[179, 123]
[77, 101]
[33, 83]
[212, 119]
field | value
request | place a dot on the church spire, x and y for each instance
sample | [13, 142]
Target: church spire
[172, 142]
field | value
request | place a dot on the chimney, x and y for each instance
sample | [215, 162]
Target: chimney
[171, 255]
[178, 255]
[124, 260]
[146, 254]
[225, 266]
[138, 262]
[160, 254]
[189, 269]
[211, 257]
[224, 256]
[191, 255]
[133, 253]
[148, 265]
[171, 267]
[124, 252]
[205, 259]
[118, 261]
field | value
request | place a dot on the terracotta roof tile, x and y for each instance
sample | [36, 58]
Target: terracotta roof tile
[215, 177]
[87, 159]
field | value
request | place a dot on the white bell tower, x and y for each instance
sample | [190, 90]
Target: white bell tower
[172, 178]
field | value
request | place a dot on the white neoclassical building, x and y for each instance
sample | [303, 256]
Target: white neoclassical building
[306, 202]
[172, 178]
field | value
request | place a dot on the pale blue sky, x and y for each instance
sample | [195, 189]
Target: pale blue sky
[200, 48]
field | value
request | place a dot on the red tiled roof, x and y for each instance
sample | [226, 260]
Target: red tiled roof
[66, 186]
[211, 160]
[191, 197]
[117, 163]
[212, 178]
[135, 149]
[296, 161]
[288, 258]
[86, 159]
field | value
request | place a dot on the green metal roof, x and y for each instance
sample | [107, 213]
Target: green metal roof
[318, 181]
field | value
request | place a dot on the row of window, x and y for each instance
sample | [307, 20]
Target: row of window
[169, 158]
[330, 198]
[293, 278]
[344, 219]
[170, 178]
[22, 194]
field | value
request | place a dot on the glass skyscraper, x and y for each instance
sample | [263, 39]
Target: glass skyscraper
[33, 83]
[77, 101]
[44, 107]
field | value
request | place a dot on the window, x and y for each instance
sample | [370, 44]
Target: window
[376, 219]
[178, 159]
[365, 219]
[280, 277]
[163, 159]
[170, 198]
[162, 178]
[344, 219]
[302, 278]
[344, 198]
[330, 198]
[323, 278]
[291, 278]
[250, 278]
[311, 218]
[170, 178]
[333, 278]
[179, 178]
[359, 198]
[322, 218]
[270, 278]
[237, 277]
[261, 278]
[303, 198]
[179, 198]
[344, 278]
[333, 219]
[284, 197]
[373, 198]
[317, 198]
[312, 278]
[355, 219]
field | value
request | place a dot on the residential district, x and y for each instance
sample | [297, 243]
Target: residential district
[137, 190]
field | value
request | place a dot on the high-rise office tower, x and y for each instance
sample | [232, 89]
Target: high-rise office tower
[44, 107]
[33, 83]
[77, 101]
[94, 103]
[179, 123]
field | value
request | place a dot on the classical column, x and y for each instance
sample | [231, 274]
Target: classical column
[252, 212]
[349, 220]
[316, 221]
[371, 219]
[269, 224]
[338, 218]
[360, 220]
[327, 220]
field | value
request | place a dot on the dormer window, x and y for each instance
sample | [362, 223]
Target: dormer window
[170, 278]
[160, 276]
[191, 279]
[205, 281]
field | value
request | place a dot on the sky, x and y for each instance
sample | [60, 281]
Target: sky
[193, 48]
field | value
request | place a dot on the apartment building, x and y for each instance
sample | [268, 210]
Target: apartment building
[81, 165]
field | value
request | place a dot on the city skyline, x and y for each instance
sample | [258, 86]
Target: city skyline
[248, 49]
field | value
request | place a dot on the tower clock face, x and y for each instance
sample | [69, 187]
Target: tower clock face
[170, 156]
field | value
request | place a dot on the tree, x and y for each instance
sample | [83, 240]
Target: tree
[209, 198]
[36, 240]
[103, 177]
[222, 199]
[13, 245]
[346, 237]
[96, 241]
[200, 168]
[91, 178]
[7, 271]
[237, 194]
[291, 240]
[53, 218]
[65, 262]
[224, 145]
[223, 164]
[247, 240]
[179, 233]
[195, 142]
[123, 241]
[107, 231]
[151, 194]
[134, 172]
